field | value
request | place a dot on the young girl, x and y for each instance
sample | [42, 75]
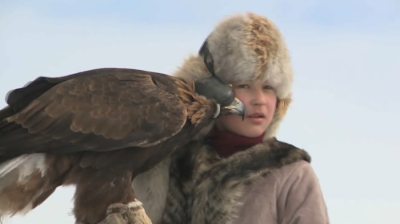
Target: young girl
[237, 172]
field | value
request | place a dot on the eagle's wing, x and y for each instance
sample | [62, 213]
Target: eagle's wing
[97, 110]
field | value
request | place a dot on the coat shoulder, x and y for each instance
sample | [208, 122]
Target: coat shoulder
[300, 195]
[298, 169]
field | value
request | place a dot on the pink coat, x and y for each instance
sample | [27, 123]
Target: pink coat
[270, 183]
[290, 195]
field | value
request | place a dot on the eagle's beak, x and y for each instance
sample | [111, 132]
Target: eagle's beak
[236, 107]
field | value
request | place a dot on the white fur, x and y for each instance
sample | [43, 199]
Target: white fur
[151, 188]
[135, 204]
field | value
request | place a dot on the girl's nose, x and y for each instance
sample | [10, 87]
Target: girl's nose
[259, 97]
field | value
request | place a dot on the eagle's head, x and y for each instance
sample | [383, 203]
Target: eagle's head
[214, 87]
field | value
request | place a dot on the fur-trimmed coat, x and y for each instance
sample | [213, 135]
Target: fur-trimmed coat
[269, 183]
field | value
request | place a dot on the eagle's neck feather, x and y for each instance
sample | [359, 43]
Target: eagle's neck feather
[198, 107]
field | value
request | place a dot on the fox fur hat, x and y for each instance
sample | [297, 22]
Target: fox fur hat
[247, 48]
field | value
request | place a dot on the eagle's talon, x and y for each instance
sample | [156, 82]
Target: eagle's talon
[117, 208]
[114, 218]
[123, 214]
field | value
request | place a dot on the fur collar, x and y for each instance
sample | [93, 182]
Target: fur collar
[204, 188]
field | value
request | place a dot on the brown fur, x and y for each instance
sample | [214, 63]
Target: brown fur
[261, 37]
[204, 188]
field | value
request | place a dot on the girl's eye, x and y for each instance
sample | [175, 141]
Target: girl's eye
[243, 86]
[268, 87]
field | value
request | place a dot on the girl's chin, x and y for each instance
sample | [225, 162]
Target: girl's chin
[253, 132]
[246, 129]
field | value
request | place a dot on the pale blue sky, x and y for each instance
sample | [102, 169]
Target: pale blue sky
[346, 95]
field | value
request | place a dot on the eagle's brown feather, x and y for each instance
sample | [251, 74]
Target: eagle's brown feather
[102, 112]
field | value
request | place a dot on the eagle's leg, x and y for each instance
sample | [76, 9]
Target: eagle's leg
[99, 197]
[126, 214]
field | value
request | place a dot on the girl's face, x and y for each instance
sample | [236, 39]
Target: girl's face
[260, 101]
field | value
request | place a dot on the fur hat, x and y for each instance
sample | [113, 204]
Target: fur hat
[247, 47]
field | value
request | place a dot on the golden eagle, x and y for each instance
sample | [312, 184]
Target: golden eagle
[97, 130]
